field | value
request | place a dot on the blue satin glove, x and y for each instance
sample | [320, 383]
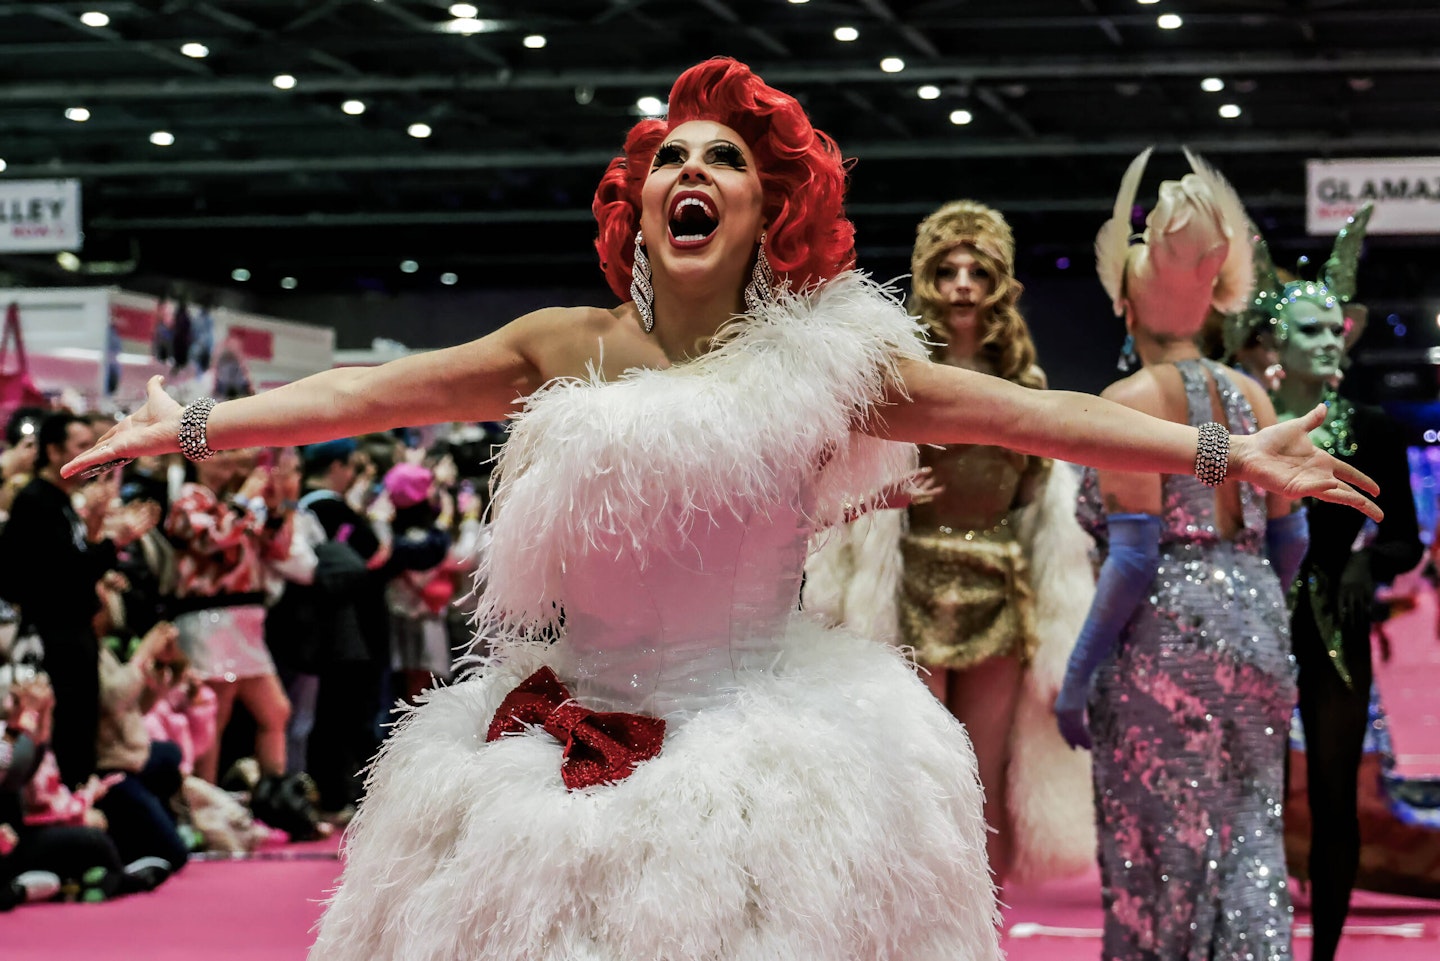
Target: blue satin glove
[1286, 540]
[1124, 581]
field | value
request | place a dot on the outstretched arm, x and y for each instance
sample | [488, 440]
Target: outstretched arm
[481, 380]
[939, 404]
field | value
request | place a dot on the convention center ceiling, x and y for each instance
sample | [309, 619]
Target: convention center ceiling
[347, 141]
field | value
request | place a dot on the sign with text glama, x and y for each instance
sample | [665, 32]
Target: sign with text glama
[1405, 192]
[39, 216]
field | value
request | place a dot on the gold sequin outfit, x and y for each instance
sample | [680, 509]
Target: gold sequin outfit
[965, 595]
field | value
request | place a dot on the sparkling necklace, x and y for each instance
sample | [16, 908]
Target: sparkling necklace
[1339, 411]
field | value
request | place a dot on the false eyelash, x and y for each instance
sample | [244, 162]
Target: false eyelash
[668, 154]
[729, 154]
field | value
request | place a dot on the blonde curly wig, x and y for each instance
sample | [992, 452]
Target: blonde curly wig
[1006, 339]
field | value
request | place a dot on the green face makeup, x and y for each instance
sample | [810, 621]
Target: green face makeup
[1313, 342]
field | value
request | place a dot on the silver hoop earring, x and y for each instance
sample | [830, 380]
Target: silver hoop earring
[642, 290]
[761, 289]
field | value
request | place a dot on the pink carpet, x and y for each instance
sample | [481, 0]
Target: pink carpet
[265, 910]
[259, 910]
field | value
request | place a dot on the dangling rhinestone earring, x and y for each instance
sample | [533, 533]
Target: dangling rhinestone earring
[1129, 360]
[761, 289]
[642, 291]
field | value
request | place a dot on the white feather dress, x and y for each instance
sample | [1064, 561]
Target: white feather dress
[811, 801]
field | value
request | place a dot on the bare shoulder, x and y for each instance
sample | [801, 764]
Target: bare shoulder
[571, 341]
[1255, 393]
[560, 320]
[1144, 390]
[1253, 390]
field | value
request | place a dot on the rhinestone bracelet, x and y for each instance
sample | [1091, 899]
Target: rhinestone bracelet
[1212, 454]
[193, 442]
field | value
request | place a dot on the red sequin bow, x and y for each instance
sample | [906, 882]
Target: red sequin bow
[600, 748]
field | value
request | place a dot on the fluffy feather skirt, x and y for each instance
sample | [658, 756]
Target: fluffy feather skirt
[830, 812]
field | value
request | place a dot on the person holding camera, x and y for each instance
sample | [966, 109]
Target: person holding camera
[17, 462]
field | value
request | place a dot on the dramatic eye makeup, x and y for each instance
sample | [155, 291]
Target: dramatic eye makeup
[721, 152]
[670, 153]
[1312, 328]
[726, 153]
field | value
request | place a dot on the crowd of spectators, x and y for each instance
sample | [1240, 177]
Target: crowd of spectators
[203, 657]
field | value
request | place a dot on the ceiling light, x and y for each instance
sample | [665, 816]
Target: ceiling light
[197, 50]
[929, 92]
[1212, 85]
[467, 25]
[419, 130]
[463, 10]
[289, 283]
[1169, 21]
[535, 42]
[1148, 2]
[449, 279]
[67, 261]
[961, 117]
[892, 64]
[353, 107]
[798, 2]
[162, 138]
[650, 106]
[95, 18]
[408, 266]
[284, 81]
[846, 34]
[1361, 84]
[3, 165]
[77, 114]
[240, 275]
[1229, 111]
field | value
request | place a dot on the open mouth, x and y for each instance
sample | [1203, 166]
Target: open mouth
[693, 219]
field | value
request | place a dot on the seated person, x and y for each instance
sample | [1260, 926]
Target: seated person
[53, 841]
[134, 674]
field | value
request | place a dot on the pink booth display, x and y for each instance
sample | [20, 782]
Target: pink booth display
[97, 346]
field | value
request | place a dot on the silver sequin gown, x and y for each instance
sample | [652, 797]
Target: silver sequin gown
[1189, 719]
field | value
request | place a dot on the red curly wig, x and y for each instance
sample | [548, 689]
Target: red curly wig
[801, 173]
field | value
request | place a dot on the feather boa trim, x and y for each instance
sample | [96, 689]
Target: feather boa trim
[1053, 838]
[595, 466]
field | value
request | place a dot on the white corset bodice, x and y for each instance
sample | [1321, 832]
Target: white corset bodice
[666, 633]
[657, 523]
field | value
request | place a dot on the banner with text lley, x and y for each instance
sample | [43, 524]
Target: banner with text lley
[39, 216]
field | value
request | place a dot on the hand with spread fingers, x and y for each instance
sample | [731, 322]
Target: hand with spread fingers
[153, 429]
[1282, 458]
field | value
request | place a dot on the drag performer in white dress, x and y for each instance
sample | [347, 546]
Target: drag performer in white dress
[761, 787]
